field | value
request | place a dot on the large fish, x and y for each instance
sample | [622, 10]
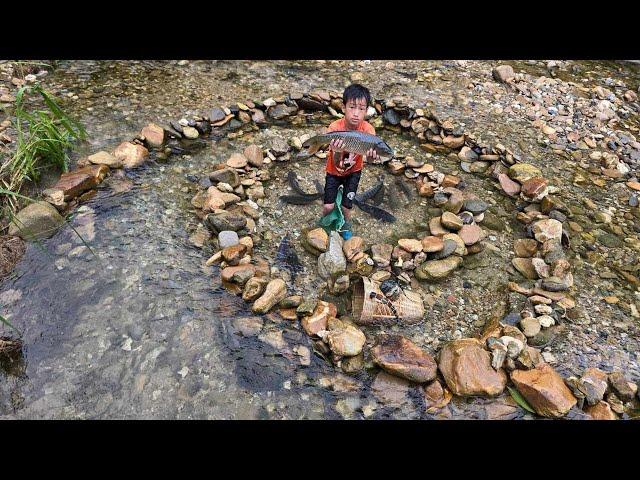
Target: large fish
[375, 212]
[301, 197]
[373, 192]
[354, 142]
[287, 258]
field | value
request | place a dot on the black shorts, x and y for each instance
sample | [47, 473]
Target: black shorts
[350, 184]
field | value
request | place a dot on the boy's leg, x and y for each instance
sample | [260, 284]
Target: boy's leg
[350, 189]
[331, 184]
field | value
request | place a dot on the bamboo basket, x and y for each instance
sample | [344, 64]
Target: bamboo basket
[368, 311]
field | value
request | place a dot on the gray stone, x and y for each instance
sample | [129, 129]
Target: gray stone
[36, 220]
[227, 238]
[332, 262]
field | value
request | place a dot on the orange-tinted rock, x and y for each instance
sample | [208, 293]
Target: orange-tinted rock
[153, 134]
[600, 411]
[131, 155]
[544, 390]
[466, 367]
[239, 274]
[317, 321]
[436, 397]
[80, 180]
[432, 244]
[400, 356]
[509, 187]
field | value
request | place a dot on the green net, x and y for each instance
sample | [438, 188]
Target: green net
[334, 220]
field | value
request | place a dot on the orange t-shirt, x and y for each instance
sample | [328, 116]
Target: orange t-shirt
[339, 125]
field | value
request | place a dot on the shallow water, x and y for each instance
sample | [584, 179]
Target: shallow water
[145, 330]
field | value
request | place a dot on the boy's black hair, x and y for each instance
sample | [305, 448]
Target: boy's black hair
[355, 91]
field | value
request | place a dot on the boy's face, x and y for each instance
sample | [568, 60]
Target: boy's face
[354, 111]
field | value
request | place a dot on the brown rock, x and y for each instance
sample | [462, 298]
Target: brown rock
[131, 155]
[549, 229]
[534, 189]
[254, 288]
[525, 247]
[525, 267]
[453, 142]
[432, 244]
[391, 390]
[623, 388]
[399, 252]
[105, 158]
[232, 255]
[436, 397]
[544, 390]
[470, 234]
[254, 156]
[352, 248]
[450, 181]
[237, 160]
[600, 411]
[346, 341]
[425, 190]
[503, 73]
[451, 221]
[381, 254]
[633, 185]
[410, 245]
[239, 274]
[400, 356]
[317, 321]
[80, 180]
[318, 239]
[276, 291]
[436, 228]
[466, 368]
[509, 187]
[153, 134]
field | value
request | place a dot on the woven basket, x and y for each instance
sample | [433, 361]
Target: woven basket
[368, 311]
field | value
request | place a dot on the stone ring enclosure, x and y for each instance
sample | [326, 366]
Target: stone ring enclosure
[230, 212]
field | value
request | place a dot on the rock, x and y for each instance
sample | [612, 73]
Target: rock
[451, 221]
[381, 254]
[436, 228]
[544, 390]
[436, 397]
[339, 285]
[503, 73]
[534, 189]
[254, 287]
[190, 132]
[216, 115]
[232, 255]
[521, 172]
[364, 266]
[600, 411]
[353, 247]
[225, 175]
[254, 156]
[623, 388]
[238, 274]
[529, 358]
[466, 367]
[470, 234]
[530, 326]
[317, 239]
[432, 244]
[399, 356]
[525, 247]
[105, 158]
[509, 187]
[557, 284]
[475, 206]
[437, 269]
[307, 306]
[525, 267]
[332, 262]
[514, 344]
[410, 245]
[425, 190]
[347, 341]
[78, 181]
[467, 155]
[237, 160]
[546, 321]
[153, 134]
[219, 222]
[248, 326]
[453, 142]
[227, 238]
[593, 383]
[455, 201]
[317, 321]
[37, 220]
[549, 229]
[391, 390]
[276, 291]
[131, 155]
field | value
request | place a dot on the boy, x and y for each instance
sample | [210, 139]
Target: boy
[346, 171]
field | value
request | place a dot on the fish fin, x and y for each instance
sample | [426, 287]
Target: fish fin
[375, 212]
[298, 199]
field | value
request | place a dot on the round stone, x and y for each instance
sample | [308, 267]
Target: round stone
[228, 238]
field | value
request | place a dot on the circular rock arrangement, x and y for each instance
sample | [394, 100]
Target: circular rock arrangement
[505, 351]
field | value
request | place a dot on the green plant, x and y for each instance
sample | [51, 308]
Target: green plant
[519, 399]
[44, 137]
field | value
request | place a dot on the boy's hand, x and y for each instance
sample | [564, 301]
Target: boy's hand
[371, 153]
[336, 144]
